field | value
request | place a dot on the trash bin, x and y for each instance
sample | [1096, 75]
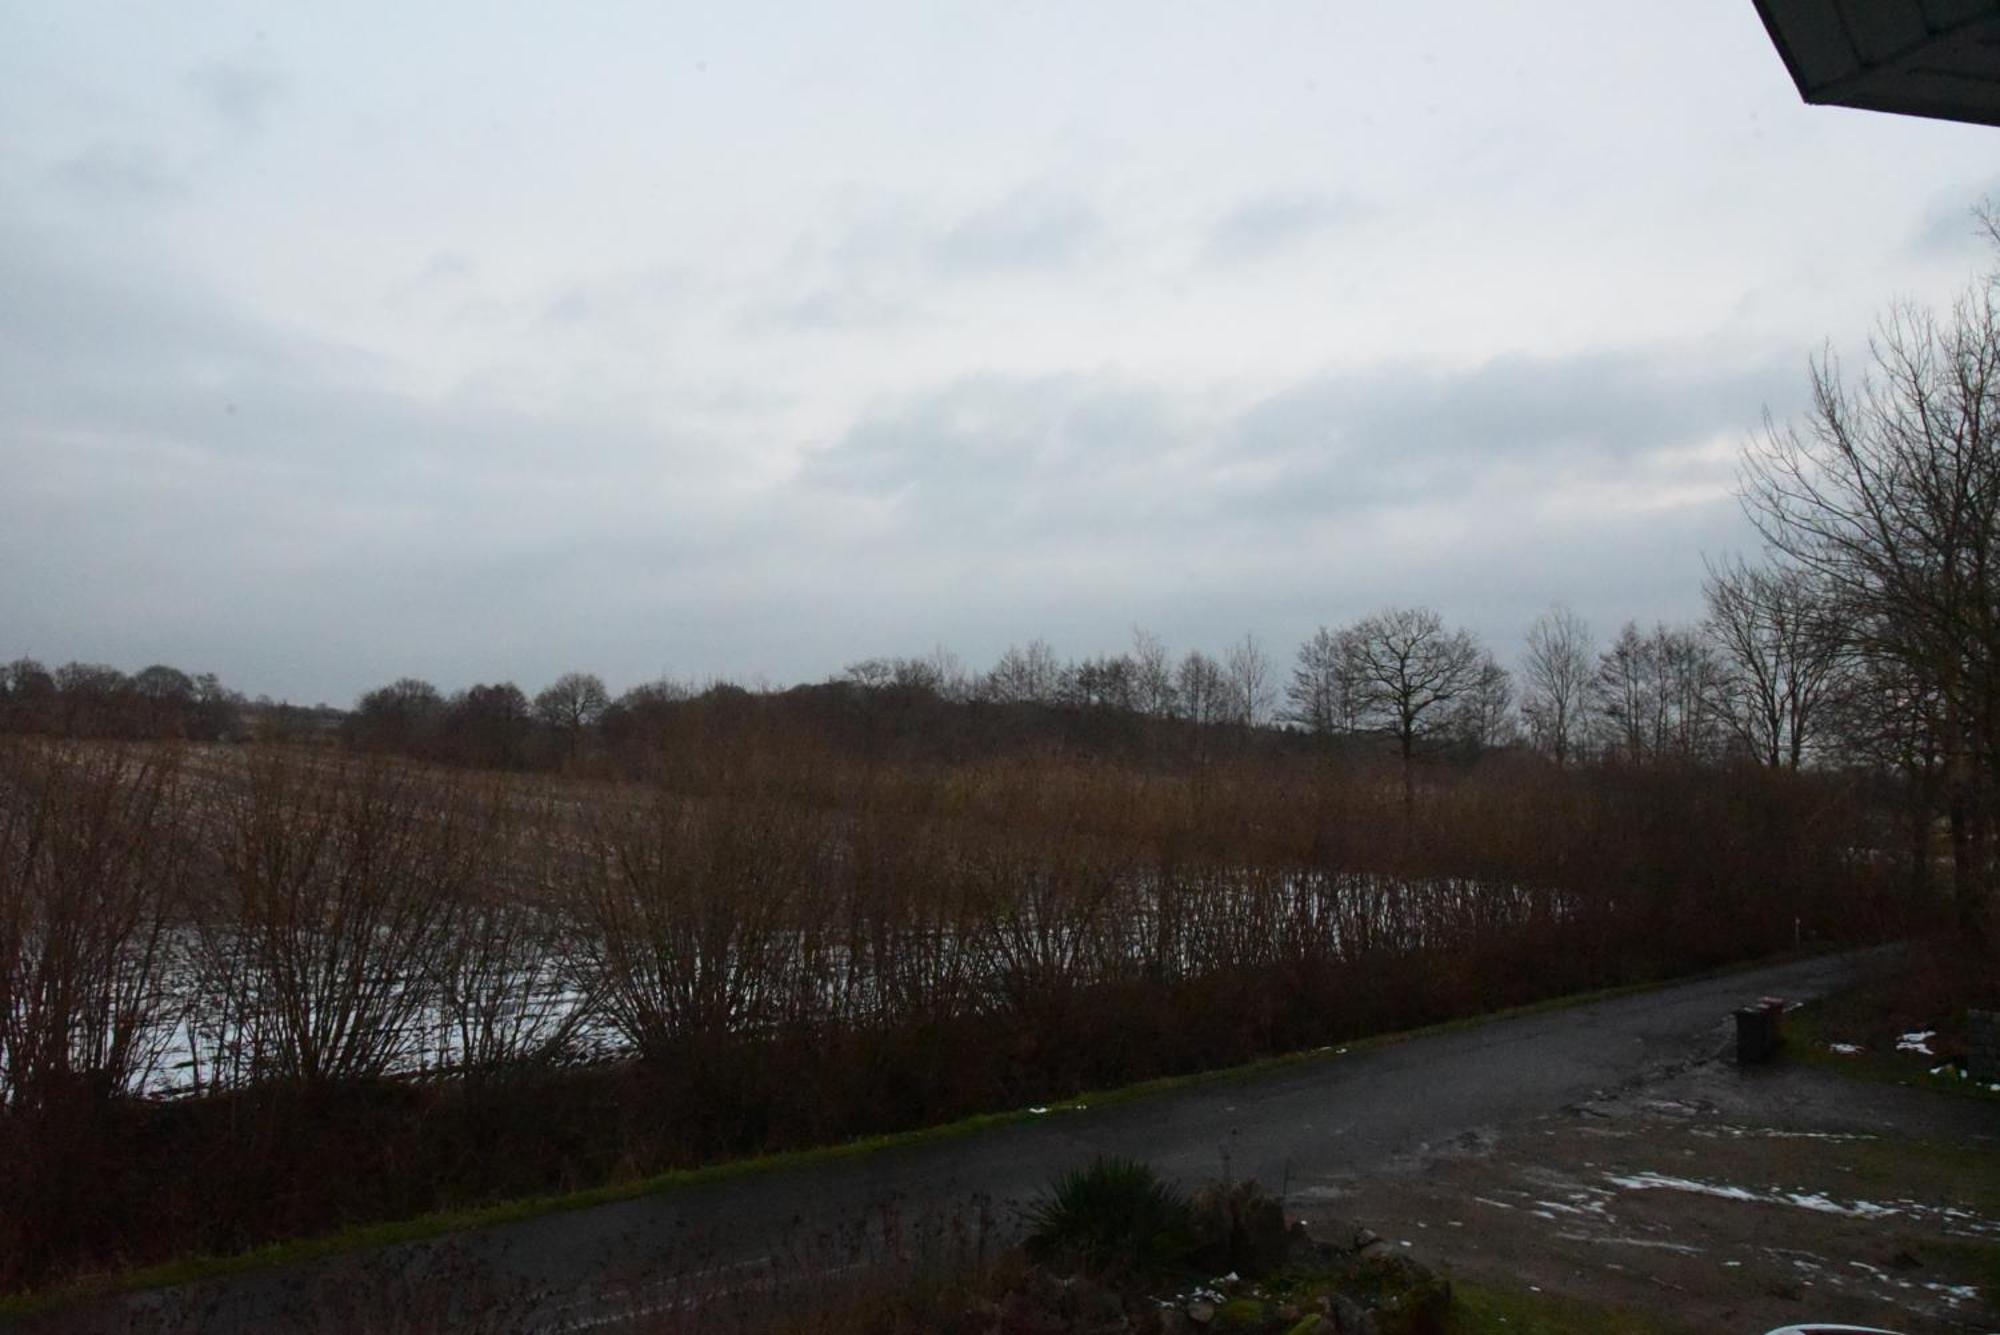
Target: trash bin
[1758, 1032]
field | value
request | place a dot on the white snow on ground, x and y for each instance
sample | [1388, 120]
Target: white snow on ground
[1844, 1049]
[1961, 1222]
[1654, 1243]
[1723, 1129]
[1918, 1040]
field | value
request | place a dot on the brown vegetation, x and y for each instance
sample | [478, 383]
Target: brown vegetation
[388, 988]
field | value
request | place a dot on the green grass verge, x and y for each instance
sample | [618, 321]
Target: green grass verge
[1481, 1310]
[365, 1237]
[1808, 1039]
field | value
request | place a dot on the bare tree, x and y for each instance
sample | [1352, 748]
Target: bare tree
[571, 706]
[1026, 676]
[165, 697]
[488, 725]
[1321, 697]
[948, 675]
[1556, 674]
[1098, 683]
[28, 694]
[870, 674]
[1152, 675]
[1483, 718]
[402, 716]
[1408, 672]
[1203, 688]
[1253, 685]
[1659, 695]
[1783, 652]
[92, 696]
[1888, 495]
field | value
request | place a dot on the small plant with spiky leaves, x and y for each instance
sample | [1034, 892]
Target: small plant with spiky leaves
[1112, 1216]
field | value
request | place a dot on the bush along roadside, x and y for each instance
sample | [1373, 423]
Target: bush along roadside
[1116, 1249]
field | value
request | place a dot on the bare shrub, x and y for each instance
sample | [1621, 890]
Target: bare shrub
[89, 871]
[343, 885]
[510, 998]
[683, 909]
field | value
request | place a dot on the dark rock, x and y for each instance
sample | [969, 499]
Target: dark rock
[1098, 1310]
[1351, 1318]
[1022, 1315]
[1240, 1227]
[1040, 1304]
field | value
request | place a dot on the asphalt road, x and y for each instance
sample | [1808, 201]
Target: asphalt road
[1305, 1129]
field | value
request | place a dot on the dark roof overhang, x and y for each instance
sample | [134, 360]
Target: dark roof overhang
[1938, 58]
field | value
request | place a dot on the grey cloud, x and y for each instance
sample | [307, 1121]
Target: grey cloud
[616, 302]
[120, 172]
[241, 95]
[1275, 223]
[445, 274]
[1030, 229]
[1000, 457]
[878, 269]
[1072, 506]
[833, 307]
[1405, 431]
[329, 533]
[191, 485]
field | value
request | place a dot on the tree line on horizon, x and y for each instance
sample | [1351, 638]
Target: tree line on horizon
[1751, 681]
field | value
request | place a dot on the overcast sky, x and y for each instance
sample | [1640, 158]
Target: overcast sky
[342, 342]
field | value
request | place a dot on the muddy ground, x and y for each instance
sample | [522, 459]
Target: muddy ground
[1718, 1199]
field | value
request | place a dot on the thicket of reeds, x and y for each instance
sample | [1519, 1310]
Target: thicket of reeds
[250, 994]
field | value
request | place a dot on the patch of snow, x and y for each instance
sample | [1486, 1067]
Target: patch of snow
[1845, 1049]
[1813, 1200]
[1777, 1133]
[1632, 1242]
[1971, 1225]
[1917, 1040]
[1657, 1182]
[1560, 1207]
